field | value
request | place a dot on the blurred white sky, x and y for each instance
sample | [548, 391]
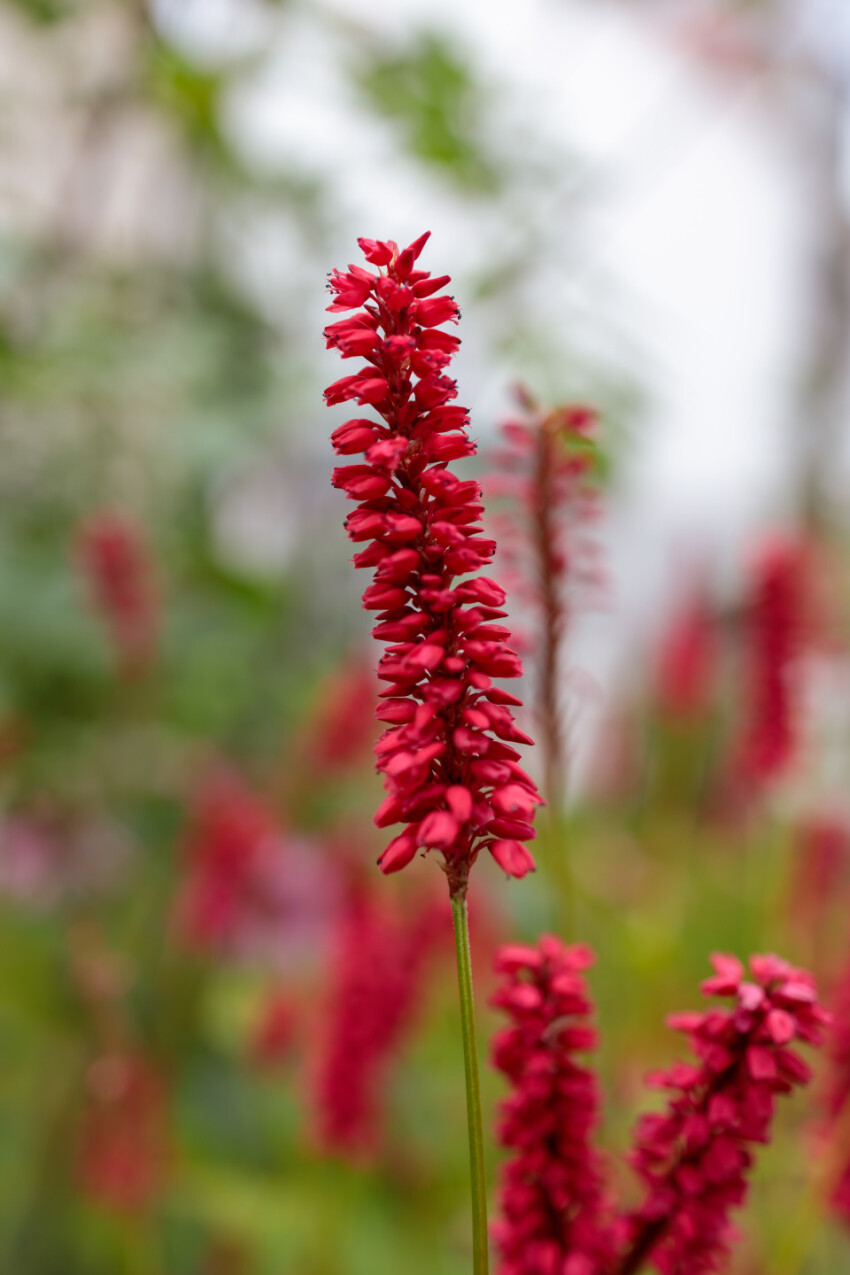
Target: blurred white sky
[694, 213]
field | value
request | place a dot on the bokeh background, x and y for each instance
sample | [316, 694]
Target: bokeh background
[644, 206]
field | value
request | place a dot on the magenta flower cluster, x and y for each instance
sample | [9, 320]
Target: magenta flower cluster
[552, 1201]
[693, 1159]
[448, 757]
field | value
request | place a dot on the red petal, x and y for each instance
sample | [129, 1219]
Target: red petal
[512, 857]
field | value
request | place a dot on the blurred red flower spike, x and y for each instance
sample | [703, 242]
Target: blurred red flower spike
[554, 1214]
[694, 1158]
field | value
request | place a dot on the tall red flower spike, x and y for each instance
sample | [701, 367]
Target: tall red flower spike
[776, 630]
[377, 981]
[115, 559]
[553, 1208]
[448, 759]
[694, 1158]
[543, 468]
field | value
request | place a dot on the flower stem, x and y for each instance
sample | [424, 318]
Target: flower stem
[480, 1259]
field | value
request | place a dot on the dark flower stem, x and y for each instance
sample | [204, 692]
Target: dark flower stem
[642, 1247]
[480, 1258]
[553, 622]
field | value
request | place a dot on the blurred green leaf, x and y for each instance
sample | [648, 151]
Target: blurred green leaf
[430, 92]
[47, 11]
[191, 94]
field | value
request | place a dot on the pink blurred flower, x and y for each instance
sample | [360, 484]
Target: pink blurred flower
[48, 855]
[448, 758]
[248, 890]
[116, 562]
[554, 1214]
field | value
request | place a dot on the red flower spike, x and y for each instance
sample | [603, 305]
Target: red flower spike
[544, 471]
[377, 981]
[554, 1214]
[115, 559]
[776, 631]
[694, 1159]
[424, 529]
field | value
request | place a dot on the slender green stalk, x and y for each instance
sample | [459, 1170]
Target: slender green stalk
[480, 1258]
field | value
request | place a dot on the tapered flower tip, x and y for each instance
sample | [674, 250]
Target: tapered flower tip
[512, 857]
[418, 244]
[380, 252]
[412, 251]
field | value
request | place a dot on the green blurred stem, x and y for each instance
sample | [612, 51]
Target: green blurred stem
[480, 1260]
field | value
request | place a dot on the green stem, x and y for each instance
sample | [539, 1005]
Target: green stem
[480, 1259]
